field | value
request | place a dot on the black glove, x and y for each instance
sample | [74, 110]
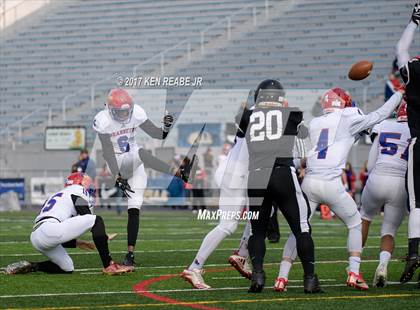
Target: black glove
[416, 14]
[187, 172]
[168, 121]
[123, 185]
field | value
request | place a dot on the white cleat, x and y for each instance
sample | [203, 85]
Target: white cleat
[19, 267]
[195, 278]
[242, 265]
[381, 276]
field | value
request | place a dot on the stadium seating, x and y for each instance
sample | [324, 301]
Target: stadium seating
[306, 44]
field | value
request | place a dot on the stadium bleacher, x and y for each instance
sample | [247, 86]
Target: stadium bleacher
[80, 43]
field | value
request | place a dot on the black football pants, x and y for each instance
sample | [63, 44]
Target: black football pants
[279, 185]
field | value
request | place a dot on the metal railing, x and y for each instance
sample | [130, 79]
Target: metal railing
[186, 46]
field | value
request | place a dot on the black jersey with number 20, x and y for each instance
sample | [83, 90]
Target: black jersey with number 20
[270, 135]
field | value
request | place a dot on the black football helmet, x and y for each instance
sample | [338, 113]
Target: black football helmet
[270, 91]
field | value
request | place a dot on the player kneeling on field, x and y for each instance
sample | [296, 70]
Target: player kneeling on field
[64, 217]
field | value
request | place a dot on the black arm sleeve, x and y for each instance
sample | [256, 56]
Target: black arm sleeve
[153, 162]
[242, 122]
[153, 131]
[69, 244]
[81, 205]
[292, 126]
[108, 152]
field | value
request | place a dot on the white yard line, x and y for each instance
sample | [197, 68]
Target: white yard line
[169, 240]
[151, 291]
[183, 250]
[226, 265]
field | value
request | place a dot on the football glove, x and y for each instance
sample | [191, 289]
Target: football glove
[168, 121]
[123, 185]
[416, 14]
[187, 173]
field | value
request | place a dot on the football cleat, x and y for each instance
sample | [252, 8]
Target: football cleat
[357, 281]
[195, 278]
[258, 282]
[281, 285]
[242, 265]
[411, 264]
[311, 285]
[381, 275]
[19, 267]
[116, 269]
[129, 260]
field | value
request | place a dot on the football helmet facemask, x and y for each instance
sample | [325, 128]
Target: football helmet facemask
[120, 105]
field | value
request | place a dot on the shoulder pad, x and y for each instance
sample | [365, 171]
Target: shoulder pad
[139, 115]
[101, 122]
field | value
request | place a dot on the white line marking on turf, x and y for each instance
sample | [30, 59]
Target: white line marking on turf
[225, 265]
[151, 291]
[184, 250]
[172, 240]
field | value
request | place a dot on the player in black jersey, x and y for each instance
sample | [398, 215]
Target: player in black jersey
[270, 128]
[410, 72]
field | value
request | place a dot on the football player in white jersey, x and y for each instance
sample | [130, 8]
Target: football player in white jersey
[385, 187]
[64, 217]
[117, 126]
[332, 136]
[231, 176]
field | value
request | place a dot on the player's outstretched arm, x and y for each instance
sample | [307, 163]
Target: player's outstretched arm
[360, 122]
[108, 153]
[407, 37]
[157, 132]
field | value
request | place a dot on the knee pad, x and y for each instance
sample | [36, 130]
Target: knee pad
[66, 265]
[228, 227]
[353, 221]
[354, 241]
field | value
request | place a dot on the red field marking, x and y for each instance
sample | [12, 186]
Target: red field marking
[142, 289]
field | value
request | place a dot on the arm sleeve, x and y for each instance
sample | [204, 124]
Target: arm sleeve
[108, 153]
[294, 124]
[242, 121]
[81, 205]
[360, 122]
[153, 131]
[404, 44]
[153, 162]
[373, 154]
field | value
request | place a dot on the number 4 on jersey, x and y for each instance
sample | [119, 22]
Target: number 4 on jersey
[322, 146]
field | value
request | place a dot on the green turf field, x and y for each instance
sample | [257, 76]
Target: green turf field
[168, 242]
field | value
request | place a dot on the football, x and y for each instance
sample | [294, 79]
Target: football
[360, 70]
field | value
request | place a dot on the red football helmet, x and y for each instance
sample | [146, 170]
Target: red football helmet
[120, 105]
[79, 178]
[336, 98]
[402, 111]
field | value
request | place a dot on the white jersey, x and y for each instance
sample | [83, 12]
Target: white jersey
[389, 152]
[233, 168]
[122, 135]
[333, 134]
[61, 206]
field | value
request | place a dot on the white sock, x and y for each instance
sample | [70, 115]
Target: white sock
[285, 267]
[243, 246]
[210, 242]
[384, 257]
[354, 264]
